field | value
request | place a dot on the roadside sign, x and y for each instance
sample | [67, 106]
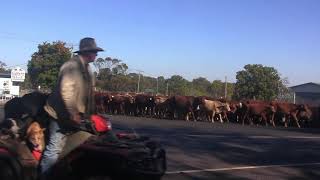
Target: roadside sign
[18, 74]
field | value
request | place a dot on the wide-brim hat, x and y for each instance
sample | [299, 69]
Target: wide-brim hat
[88, 45]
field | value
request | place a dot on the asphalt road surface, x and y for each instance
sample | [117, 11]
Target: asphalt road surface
[201, 150]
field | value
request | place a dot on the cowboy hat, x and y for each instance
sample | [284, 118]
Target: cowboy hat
[88, 45]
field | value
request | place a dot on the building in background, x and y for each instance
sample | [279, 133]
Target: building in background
[10, 82]
[308, 93]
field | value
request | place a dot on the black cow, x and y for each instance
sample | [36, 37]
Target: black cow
[129, 105]
[145, 104]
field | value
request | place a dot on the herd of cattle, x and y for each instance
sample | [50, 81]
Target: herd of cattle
[204, 109]
[178, 107]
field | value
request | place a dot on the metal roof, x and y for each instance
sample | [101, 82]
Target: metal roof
[5, 75]
[312, 83]
[310, 87]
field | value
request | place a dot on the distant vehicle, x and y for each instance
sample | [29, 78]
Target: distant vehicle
[6, 97]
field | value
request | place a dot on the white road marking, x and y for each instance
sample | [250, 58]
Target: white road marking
[241, 168]
[253, 137]
[207, 135]
[233, 136]
[303, 137]
[265, 137]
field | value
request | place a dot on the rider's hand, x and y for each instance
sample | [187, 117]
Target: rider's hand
[76, 118]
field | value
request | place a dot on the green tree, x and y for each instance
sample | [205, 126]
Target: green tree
[3, 68]
[162, 85]
[285, 93]
[258, 82]
[110, 66]
[230, 90]
[112, 75]
[43, 68]
[148, 84]
[217, 89]
[26, 84]
[178, 85]
[200, 86]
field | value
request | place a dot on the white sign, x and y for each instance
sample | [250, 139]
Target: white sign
[18, 74]
[6, 85]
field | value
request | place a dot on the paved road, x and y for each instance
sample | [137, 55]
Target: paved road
[200, 150]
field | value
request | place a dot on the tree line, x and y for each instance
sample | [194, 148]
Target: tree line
[254, 81]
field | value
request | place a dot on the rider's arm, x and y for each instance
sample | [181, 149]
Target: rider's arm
[69, 88]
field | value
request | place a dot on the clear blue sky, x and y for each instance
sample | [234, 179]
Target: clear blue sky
[192, 38]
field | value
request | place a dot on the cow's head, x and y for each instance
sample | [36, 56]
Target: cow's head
[151, 99]
[272, 108]
[242, 105]
[131, 99]
[108, 98]
[197, 102]
[233, 107]
[304, 113]
[158, 100]
[227, 107]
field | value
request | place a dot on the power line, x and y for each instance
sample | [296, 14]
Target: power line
[13, 36]
[144, 73]
[6, 35]
[140, 72]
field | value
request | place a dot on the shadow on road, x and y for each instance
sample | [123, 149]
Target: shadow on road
[235, 148]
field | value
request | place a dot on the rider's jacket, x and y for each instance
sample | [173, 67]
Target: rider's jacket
[74, 91]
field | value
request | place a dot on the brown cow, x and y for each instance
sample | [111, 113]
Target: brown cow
[182, 106]
[129, 105]
[116, 104]
[260, 109]
[212, 108]
[107, 98]
[286, 111]
[98, 97]
[306, 114]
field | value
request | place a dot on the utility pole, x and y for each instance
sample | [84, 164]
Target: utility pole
[139, 71]
[167, 91]
[192, 92]
[225, 88]
[138, 89]
[157, 85]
